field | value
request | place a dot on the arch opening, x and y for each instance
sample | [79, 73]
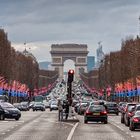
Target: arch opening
[68, 64]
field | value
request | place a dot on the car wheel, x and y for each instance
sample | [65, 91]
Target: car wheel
[85, 121]
[2, 117]
[105, 122]
[122, 120]
[131, 128]
[16, 119]
[126, 122]
[117, 114]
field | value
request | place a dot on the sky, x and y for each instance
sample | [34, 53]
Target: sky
[41, 23]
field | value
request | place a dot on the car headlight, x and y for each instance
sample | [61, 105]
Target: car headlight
[6, 111]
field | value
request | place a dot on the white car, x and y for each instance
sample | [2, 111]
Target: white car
[53, 106]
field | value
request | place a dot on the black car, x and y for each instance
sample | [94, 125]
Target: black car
[38, 106]
[96, 113]
[112, 108]
[9, 111]
[135, 121]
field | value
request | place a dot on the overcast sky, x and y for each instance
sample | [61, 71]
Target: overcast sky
[41, 23]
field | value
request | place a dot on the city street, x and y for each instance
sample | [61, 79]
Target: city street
[35, 126]
[45, 126]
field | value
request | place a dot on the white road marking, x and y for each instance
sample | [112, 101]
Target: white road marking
[8, 130]
[3, 133]
[68, 124]
[72, 131]
[132, 136]
[119, 127]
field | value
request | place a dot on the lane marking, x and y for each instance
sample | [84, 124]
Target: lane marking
[68, 123]
[72, 131]
[3, 133]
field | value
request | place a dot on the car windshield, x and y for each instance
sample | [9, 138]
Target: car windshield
[38, 104]
[84, 105]
[138, 107]
[54, 103]
[137, 113]
[24, 103]
[96, 108]
[130, 108]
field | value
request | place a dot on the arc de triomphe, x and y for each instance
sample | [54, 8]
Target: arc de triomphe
[62, 52]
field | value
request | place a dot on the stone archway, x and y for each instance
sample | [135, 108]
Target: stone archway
[62, 52]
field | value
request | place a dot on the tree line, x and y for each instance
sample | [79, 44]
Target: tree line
[119, 70]
[15, 65]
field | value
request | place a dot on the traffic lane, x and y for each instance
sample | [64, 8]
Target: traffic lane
[98, 131]
[116, 121]
[46, 127]
[9, 125]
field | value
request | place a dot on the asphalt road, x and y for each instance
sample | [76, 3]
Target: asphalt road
[114, 130]
[35, 126]
[45, 126]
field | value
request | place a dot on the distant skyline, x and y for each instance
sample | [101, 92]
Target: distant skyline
[41, 23]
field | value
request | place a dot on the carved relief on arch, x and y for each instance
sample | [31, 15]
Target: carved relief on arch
[57, 60]
[81, 60]
[68, 58]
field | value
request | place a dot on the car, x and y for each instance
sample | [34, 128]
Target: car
[53, 106]
[10, 111]
[46, 104]
[24, 106]
[31, 104]
[136, 108]
[112, 108]
[76, 107]
[121, 106]
[129, 113]
[125, 116]
[82, 108]
[38, 106]
[135, 121]
[96, 113]
[18, 106]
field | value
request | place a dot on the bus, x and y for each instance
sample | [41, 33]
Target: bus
[39, 98]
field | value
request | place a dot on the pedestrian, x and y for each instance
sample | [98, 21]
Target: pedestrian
[67, 110]
[60, 110]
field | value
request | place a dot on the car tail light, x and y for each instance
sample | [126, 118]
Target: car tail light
[88, 112]
[130, 114]
[104, 112]
[135, 120]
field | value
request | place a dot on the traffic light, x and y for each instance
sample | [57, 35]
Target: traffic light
[70, 76]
